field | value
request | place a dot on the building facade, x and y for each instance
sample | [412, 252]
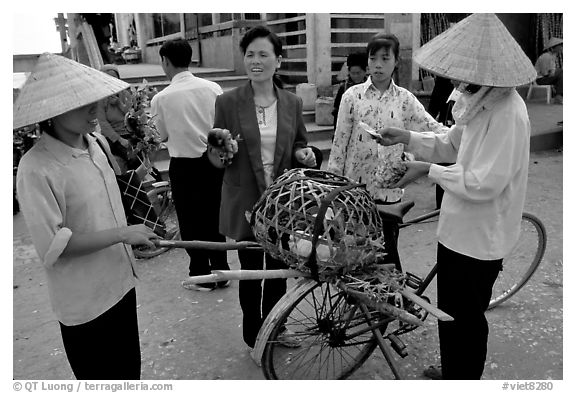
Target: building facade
[315, 45]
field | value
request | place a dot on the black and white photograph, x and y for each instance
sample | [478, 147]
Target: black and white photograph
[287, 196]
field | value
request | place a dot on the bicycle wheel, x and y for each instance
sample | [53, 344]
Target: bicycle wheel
[161, 198]
[333, 332]
[523, 261]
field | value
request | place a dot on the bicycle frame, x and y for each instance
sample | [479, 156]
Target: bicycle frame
[391, 231]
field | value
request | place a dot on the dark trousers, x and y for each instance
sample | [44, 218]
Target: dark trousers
[464, 291]
[107, 347]
[556, 80]
[258, 297]
[196, 189]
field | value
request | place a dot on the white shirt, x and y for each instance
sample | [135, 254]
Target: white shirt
[354, 153]
[184, 113]
[486, 187]
[64, 190]
[268, 124]
[545, 64]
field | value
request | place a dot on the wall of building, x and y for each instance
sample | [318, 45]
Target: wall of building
[220, 41]
[24, 63]
[402, 26]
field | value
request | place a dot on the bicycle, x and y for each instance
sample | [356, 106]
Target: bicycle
[338, 332]
[339, 328]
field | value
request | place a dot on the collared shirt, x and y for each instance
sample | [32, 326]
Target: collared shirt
[546, 64]
[64, 190]
[485, 189]
[354, 153]
[184, 113]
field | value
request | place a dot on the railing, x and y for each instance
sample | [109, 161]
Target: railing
[347, 33]
[350, 33]
[292, 31]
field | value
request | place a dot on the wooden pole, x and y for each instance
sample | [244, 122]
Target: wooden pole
[380, 306]
[204, 245]
[441, 315]
[224, 275]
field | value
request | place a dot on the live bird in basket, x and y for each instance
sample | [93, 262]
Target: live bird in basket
[299, 244]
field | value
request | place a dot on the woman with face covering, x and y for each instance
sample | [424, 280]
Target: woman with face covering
[484, 190]
[72, 207]
[267, 122]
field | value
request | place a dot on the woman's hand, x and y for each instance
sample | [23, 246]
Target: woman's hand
[215, 157]
[416, 169]
[392, 135]
[305, 156]
[138, 235]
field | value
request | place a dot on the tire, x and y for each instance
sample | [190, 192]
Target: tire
[523, 261]
[161, 198]
[324, 319]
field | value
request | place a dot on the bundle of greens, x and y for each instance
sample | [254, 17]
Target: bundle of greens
[225, 144]
[144, 136]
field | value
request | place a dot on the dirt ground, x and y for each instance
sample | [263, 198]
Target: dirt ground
[187, 335]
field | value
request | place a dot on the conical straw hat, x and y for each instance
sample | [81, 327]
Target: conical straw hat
[552, 42]
[478, 50]
[58, 85]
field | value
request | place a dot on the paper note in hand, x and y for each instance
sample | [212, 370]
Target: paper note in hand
[370, 130]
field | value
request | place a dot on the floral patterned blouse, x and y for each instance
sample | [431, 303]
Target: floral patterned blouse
[357, 155]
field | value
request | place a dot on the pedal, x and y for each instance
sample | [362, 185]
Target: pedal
[398, 345]
[413, 281]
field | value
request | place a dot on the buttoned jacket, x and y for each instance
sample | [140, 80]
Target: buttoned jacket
[243, 181]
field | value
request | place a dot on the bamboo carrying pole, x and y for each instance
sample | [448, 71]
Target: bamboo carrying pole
[441, 315]
[204, 245]
[224, 275]
[380, 306]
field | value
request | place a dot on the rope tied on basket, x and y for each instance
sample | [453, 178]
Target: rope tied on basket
[312, 262]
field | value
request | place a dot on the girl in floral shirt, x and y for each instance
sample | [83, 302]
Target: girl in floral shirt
[379, 103]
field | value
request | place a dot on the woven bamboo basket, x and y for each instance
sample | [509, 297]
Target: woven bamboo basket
[319, 223]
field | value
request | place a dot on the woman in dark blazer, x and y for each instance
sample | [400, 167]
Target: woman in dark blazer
[268, 125]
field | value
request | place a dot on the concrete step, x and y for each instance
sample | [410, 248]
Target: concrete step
[319, 133]
[134, 73]
[225, 82]
[309, 116]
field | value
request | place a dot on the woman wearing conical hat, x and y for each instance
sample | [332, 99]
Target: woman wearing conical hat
[485, 188]
[72, 207]
[547, 67]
